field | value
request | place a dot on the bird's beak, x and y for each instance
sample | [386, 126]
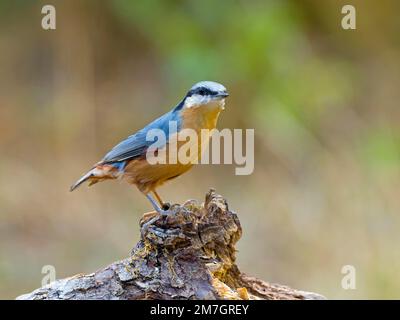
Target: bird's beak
[222, 95]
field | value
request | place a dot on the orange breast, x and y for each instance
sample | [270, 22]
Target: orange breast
[148, 176]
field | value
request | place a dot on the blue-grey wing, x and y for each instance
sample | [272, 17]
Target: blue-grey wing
[136, 145]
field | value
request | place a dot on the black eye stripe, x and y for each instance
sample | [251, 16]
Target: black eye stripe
[201, 91]
[205, 91]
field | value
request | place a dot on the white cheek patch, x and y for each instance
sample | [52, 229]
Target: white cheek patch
[196, 100]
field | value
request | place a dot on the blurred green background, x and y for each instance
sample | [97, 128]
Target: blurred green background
[324, 103]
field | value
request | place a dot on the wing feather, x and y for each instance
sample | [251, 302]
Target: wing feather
[136, 145]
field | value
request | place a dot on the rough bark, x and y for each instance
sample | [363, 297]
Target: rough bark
[187, 255]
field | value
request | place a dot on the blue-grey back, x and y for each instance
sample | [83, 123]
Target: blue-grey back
[136, 144]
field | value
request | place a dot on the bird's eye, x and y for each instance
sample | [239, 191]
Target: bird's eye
[202, 92]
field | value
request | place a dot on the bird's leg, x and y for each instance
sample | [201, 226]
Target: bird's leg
[156, 207]
[158, 198]
[155, 204]
[164, 205]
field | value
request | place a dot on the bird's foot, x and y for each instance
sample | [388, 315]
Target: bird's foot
[145, 226]
[161, 213]
[166, 212]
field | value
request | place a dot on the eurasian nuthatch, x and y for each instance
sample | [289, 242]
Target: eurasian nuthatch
[198, 110]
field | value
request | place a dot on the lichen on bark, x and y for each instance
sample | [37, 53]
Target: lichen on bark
[189, 254]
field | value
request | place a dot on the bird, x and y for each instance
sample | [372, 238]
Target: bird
[199, 109]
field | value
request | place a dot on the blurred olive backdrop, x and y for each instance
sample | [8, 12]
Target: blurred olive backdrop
[324, 103]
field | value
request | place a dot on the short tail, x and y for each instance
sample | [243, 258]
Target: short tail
[87, 176]
[99, 173]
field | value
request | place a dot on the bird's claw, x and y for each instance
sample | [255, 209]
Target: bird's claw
[165, 212]
[145, 226]
[161, 213]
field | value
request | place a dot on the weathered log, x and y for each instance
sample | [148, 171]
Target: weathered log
[187, 255]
